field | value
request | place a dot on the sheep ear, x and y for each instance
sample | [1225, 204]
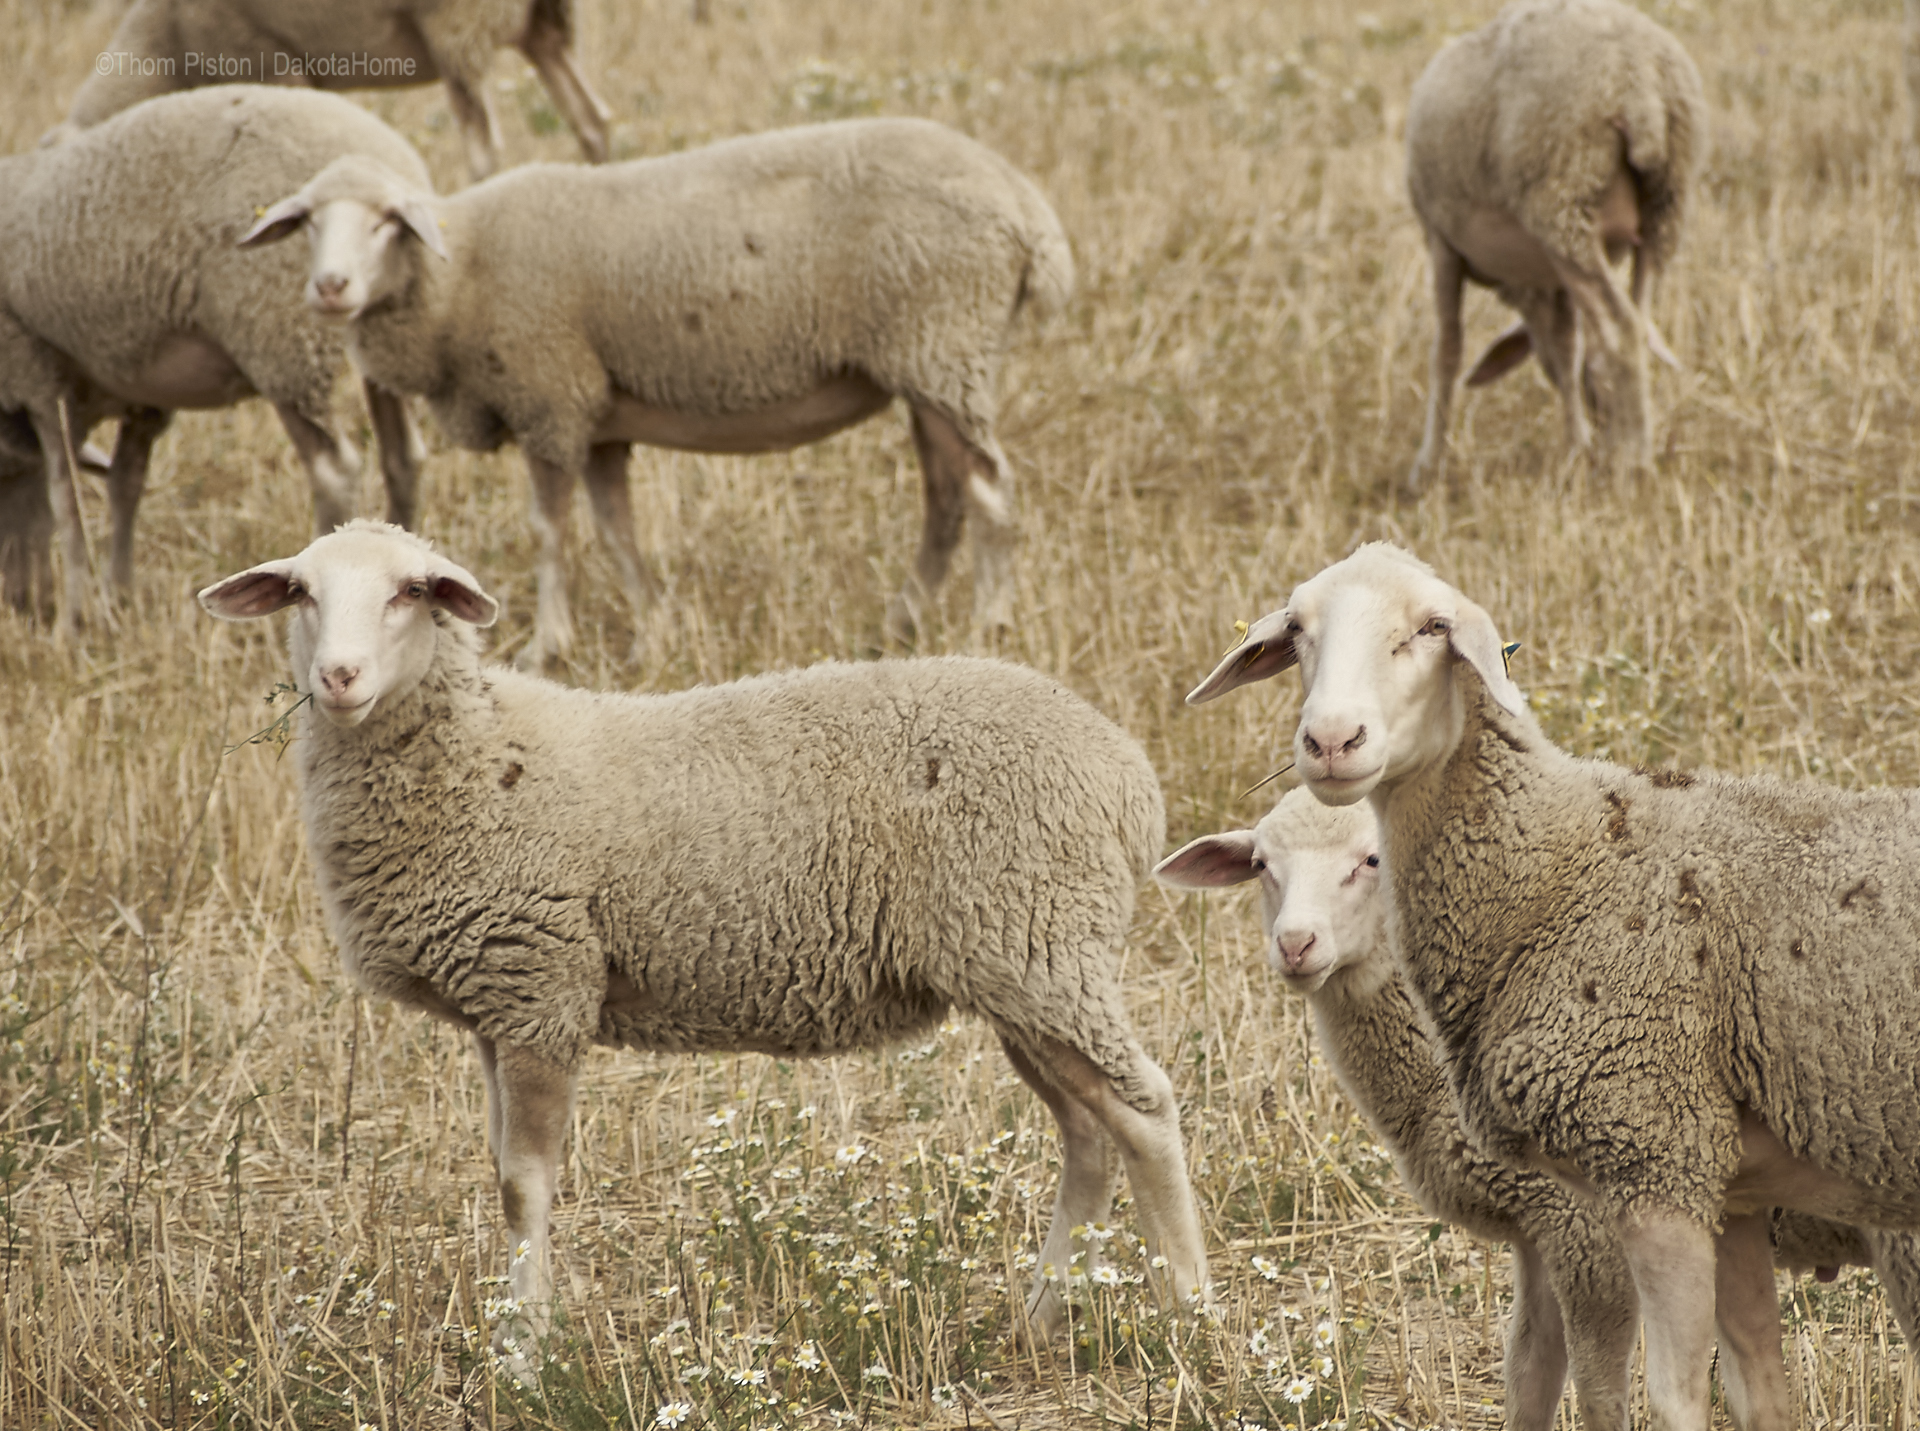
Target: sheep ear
[456, 592]
[1475, 641]
[417, 214]
[278, 222]
[1210, 862]
[1507, 352]
[260, 591]
[1266, 651]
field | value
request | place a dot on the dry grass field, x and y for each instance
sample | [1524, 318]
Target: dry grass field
[235, 1194]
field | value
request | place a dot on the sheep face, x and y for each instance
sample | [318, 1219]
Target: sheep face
[1319, 873]
[1378, 639]
[368, 602]
[360, 217]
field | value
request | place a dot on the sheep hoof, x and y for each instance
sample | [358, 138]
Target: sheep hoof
[517, 1349]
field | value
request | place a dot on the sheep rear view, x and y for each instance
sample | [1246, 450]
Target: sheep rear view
[122, 295]
[1694, 996]
[1540, 150]
[166, 45]
[801, 863]
[751, 296]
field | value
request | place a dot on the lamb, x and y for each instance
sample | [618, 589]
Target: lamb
[163, 46]
[1325, 924]
[799, 863]
[1541, 148]
[122, 295]
[1693, 995]
[751, 296]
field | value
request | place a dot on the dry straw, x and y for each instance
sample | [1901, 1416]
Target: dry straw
[233, 1194]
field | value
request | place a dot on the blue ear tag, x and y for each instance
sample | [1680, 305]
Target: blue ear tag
[1506, 657]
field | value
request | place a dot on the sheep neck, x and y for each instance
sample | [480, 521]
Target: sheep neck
[398, 342]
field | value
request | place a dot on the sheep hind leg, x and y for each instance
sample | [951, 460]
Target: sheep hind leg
[1087, 1170]
[535, 1104]
[401, 452]
[613, 516]
[1536, 1351]
[1146, 1130]
[1747, 1317]
[553, 619]
[1449, 273]
[943, 481]
[333, 467]
[63, 493]
[1554, 328]
[1672, 1258]
[473, 111]
[127, 481]
[1615, 366]
[545, 44]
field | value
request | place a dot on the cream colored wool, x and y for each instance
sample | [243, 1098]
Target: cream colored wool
[162, 46]
[749, 296]
[1542, 148]
[122, 295]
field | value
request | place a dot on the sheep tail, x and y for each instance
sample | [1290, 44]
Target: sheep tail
[1664, 129]
[1047, 281]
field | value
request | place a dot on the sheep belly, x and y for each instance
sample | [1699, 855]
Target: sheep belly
[185, 370]
[824, 410]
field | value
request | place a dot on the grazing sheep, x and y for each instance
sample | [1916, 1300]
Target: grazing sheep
[1695, 995]
[751, 296]
[801, 863]
[1325, 924]
[1540, 149]
[166, 45]
[122, 295]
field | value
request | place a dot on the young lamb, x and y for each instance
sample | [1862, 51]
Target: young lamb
[801, 863]
[1692, 994]
[166, 45]
[752, 296]
[1325, 922]
[122, 295]
[1541, 148]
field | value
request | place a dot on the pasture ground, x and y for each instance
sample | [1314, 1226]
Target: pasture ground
[234, 1194]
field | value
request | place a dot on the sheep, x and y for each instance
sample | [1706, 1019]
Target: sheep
[751, 296]
[1540, 149]
[163, 46]
[799, 863]
[122, 295]
[1324, 923]
[1691, 994]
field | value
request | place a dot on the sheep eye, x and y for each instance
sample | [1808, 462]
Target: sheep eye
[1373, 862]
[295, 590]
[1292, 627]
[1436, 626]
[416, 589]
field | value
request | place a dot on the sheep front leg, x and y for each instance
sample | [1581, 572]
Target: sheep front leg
[552, 620]
[531, 1103]
[400, 452]
[1672, 1258]
[333, 467]
[1536, 1359]
[1617, 365]
[63, 493]
[1449, 273]
[127, 480]
[1747, 1318]
[1087, 1168]
[613, 515]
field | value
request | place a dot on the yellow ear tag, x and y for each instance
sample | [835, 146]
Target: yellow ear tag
[259, 211]
[1506, 657]
[1239, 636]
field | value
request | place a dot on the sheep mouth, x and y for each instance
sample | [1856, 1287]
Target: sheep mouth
[347, 715]
[1344, 789]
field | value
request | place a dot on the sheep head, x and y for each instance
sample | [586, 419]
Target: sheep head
[1379, 640]
[1319, 873]
[369, 599]
[360, 217]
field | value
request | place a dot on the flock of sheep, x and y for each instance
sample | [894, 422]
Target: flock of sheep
[1656, 1030]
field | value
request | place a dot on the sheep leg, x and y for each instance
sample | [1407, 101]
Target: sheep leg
[1085, 1196]
[26, 558]
[1146, 1129]
[63, 493]
[1554, 329]
[1896, 1256]
[613, 515]
[400, 452]
[1912, 58]
[1617, 366]
[1449, 273]
[958, 476]
[333, 467]
[552, 621]
[1747, 1318]
[473, 111]
[490, 1074]
[1536, 1353]
[127, 480]
[545, 44]
[535, 1103]
[1672, 1258]
[1593, 1287]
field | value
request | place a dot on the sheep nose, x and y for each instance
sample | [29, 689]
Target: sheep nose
[1331, 745]
[1294, 945]
[337, 681]
[329, 285]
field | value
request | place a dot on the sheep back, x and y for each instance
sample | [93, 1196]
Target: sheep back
[123, 236]
[1617, 962]
[795, 863]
